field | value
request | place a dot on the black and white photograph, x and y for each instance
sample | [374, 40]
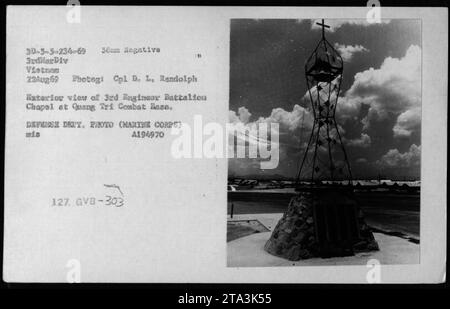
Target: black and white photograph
[344, 96]
[225, 145]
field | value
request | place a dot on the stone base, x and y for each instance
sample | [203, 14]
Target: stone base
[296, 237]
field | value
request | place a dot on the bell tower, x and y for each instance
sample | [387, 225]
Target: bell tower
[323, 219]
[325, 158]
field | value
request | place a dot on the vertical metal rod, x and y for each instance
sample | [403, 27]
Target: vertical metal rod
[315, 152]
[328, 133]
[345, 153]
[305, 155]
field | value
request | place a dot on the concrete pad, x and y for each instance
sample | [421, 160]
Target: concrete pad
[268, 220]
[249, 251]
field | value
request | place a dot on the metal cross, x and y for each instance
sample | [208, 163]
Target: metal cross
[323, 27]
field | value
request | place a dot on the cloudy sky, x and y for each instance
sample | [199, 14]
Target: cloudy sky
[379, 108]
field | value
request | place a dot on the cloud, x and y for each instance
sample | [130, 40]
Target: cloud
[394, 158]
[347, 51]
[288, 120]
[393, 90]
[289, 125]
[337, 23]
[363, 141]
[361, 160]
[246, 131]
[243, 115]
[407, 123]
[298, 117]
[290, 132]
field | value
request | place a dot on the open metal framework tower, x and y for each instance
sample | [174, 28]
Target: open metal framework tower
[325, 158]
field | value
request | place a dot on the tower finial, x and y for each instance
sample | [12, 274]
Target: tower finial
[323, 72]
[323, 27]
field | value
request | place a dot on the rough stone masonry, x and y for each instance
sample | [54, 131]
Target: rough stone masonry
[297, 237]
